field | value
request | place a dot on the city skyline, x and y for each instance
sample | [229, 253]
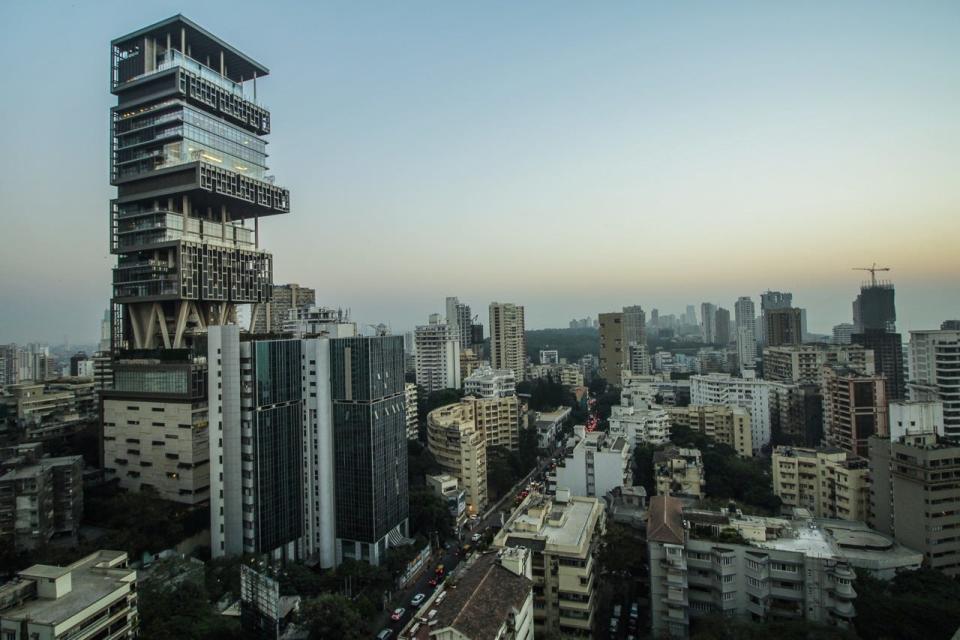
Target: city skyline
[462, 139]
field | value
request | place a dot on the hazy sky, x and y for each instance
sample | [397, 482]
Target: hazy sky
[571, 156]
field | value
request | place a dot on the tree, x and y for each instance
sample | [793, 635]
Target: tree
[718, 627]
[332, 617]
[429, 513]
[914, 605]
[420, 463]
[622, 549]
[183, 612]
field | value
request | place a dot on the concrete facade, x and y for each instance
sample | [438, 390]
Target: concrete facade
[829, 483]
[562, 534]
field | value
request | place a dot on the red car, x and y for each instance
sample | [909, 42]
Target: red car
[397, 614]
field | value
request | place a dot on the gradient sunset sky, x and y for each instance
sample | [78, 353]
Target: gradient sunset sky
[574, 157]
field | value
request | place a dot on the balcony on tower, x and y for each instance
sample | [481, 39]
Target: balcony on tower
[187, 121]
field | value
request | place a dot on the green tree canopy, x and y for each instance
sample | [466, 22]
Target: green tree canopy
[332, 617]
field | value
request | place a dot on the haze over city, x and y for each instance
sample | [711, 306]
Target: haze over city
[570, 157]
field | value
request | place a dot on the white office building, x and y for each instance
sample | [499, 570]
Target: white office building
[935, 373]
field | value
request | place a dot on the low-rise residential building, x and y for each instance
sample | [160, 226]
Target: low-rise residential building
[413, 416]
[548, 425]
[95, 597]
[461, 451]
[828, 482]
[594, 464]
[720, 563]
[447, 488]
[46, 412]
[640, 425]
[726, 423]
[915, 496]
[40, 498]
[803, 364]
[679, 472]
[562, 533]
[486, 382]
[490, 597]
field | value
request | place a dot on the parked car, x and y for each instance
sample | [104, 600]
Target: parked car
[385, 634]
[634, 611]
[617, 610]
[476, 538]
[397, 614]
[614, 625]
[417, 600]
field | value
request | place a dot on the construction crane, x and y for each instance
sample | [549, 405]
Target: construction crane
[873, 272]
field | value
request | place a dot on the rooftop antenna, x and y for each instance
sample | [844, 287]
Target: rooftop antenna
[873, 272]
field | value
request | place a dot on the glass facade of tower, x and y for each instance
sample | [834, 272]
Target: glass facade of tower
[189, 162]
[370, 451]
[190, 166]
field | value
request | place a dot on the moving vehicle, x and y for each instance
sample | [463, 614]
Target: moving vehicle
[417, 600]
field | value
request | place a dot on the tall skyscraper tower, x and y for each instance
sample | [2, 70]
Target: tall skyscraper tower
[189, 163]
[459, 321]
[708, 322]
[769, 301]
[508, 342]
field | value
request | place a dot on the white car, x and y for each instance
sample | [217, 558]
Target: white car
[417, 599]
[476, 537]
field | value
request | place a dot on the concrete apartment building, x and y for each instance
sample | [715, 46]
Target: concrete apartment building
[915, 495]
[594, 464]
[913, 417]
[508, 342]
[752, 394]
[803, 364]
[447, 488]
[461, 450]
[40, 498]
[493, 600]
[829, 483]
[487, 382]
[93, 598]
[768, 568]
[679, 472]
[413, 416]
[796, 414]
[437, 356]
[640, 425]
[562, 534]
[783, 327]
[613, 349]
[46, 412]
[727, 424]
[934, 363]
[273, 316]
[854, 408]
[469, 362]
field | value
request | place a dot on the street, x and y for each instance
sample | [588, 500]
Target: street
[449, 557]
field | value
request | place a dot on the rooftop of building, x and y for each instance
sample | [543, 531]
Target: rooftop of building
[554, 415]
[566, 521]
[477, 600]
[202, 45]
[674, 453]
[92, 579]
[31, 469]
[665, 520]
